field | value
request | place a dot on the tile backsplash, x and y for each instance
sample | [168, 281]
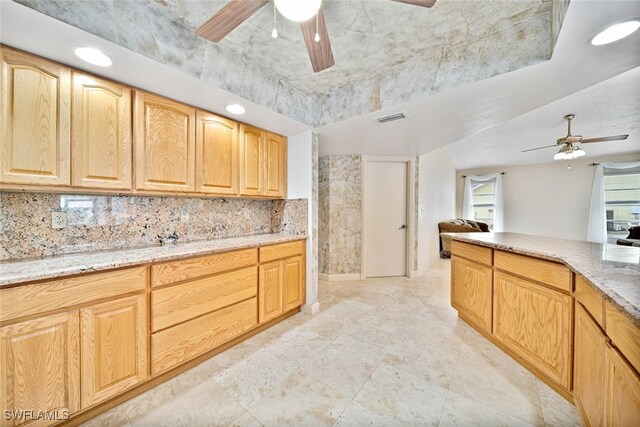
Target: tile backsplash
[115, 222]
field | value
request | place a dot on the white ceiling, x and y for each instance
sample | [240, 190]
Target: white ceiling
[459, 113]
[608, 108]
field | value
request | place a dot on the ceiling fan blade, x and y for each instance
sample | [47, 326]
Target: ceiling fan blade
[540, 148]
[228, 18]
[605, 138]
[423, 3]
[319, 51]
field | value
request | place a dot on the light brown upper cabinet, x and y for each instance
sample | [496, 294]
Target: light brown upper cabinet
[275, 165]
[216, 154]
[251, 161]
[164, 132]
[36, 102]
[101, 134]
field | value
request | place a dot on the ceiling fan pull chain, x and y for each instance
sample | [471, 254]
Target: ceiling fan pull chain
[274, 33]
[317, 37]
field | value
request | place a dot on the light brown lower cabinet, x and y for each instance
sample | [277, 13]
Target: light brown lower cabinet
[70, 344]
[270, 291]
[114, 348]
[589, 373]
[40, 368]
[281, 279]
[622, 391]
[471, 290]
[535, 322]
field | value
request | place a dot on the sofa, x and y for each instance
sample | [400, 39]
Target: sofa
[457, 226]
[633, 239]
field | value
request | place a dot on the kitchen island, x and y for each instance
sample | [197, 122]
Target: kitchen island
[569, 311]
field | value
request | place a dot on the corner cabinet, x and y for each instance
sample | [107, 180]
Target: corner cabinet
[216, 154]
[36, 117]
[101, 135]
[164, 144]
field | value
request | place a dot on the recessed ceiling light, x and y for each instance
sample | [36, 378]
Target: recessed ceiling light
[615, 32]
[235, 109]
[93, 56]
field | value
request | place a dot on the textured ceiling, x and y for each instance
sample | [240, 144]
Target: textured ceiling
[611, 107]
[386, 52]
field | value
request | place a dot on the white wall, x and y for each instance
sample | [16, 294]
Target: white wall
[546, 199]
[299, 186]
[436, 198]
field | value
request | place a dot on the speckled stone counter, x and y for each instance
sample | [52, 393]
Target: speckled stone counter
[13, 272]
[613, 270]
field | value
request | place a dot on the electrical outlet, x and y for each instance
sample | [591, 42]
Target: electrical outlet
[58, 219]
[184, 217]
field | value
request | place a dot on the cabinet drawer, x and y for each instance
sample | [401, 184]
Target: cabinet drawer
[176, 345]
[591, 299]
[624, 334]
[192, 268]
[547, 272]
[185, 301]
[26, 300]
[473, 252]
[282, 250]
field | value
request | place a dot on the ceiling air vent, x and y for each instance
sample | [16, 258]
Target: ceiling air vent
[392, 118]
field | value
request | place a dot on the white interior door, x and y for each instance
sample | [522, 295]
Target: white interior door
[385, 219]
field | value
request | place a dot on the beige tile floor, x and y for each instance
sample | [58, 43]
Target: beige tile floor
[381, 352]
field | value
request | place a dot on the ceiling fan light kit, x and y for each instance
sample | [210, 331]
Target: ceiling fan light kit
[298, 10]
[567, 150]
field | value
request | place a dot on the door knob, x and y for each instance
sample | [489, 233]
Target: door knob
[402, 227]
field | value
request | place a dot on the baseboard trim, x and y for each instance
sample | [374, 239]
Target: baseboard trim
[338, 277]
[311, 308]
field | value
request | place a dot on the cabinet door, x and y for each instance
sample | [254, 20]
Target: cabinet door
[536, 323]
[589, 372]
[40, 366]
[36, 116]
[164, 144]
[251, 161]
[275, 165]
[471, 291]
[216, 154]
[622, 393]
[293, 274]
[114, 348]
[101, 136]
[270, 289]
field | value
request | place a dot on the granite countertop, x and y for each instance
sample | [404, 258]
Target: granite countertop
[612, 270]
[28, 270]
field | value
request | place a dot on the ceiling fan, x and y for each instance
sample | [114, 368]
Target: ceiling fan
[570, 151]
[314, 31]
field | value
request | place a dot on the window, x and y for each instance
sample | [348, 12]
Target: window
[484, 199]
[622, 203]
